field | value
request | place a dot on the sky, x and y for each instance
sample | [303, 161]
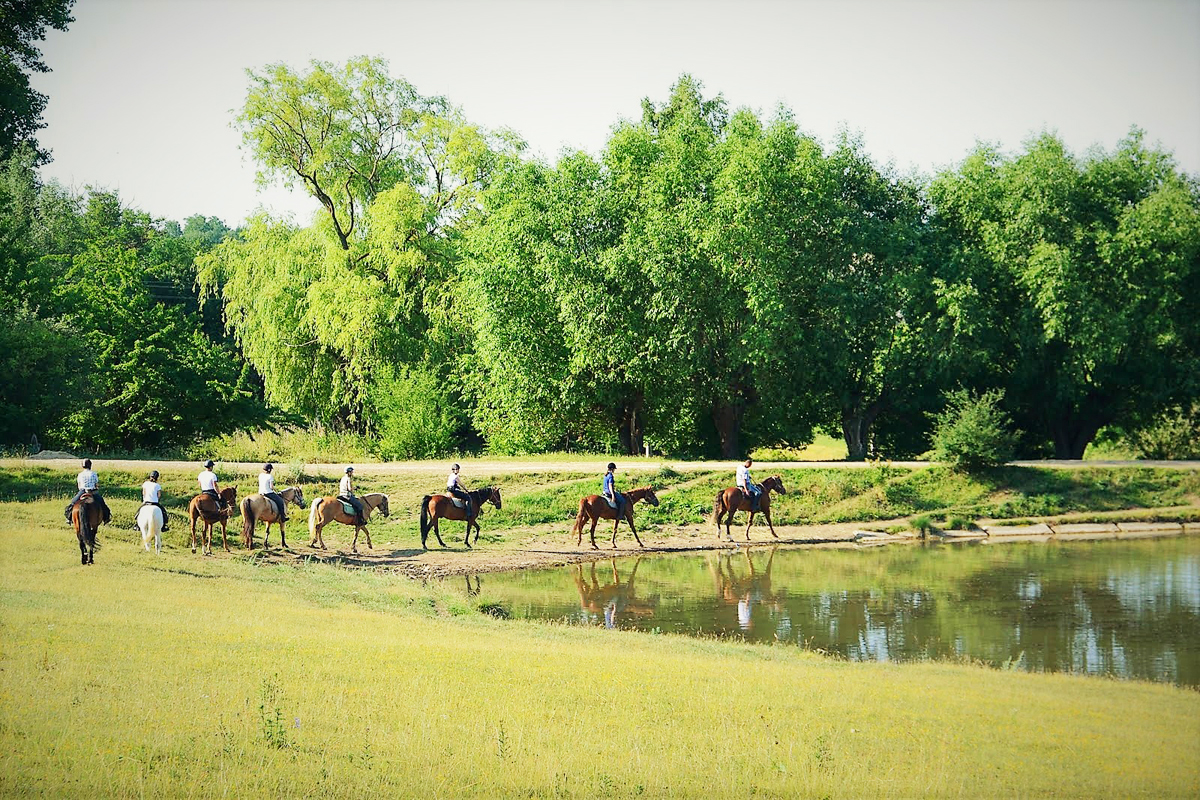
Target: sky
[143, 93]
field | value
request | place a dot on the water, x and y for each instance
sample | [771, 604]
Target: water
[1129, 609]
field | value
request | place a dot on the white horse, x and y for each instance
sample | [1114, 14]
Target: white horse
[150, 523]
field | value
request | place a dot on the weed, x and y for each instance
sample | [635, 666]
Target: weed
[501, 743]
[270, 714]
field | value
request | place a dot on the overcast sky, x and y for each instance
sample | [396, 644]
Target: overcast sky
[143, 92]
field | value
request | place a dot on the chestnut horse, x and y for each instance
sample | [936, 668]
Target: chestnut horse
[325, 510]
[434, 506]
[204, 508]
[85, 516]
[257, 507]
[595, 507]
[732, 500]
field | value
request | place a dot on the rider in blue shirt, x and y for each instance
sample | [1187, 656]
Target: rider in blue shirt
[610, 490]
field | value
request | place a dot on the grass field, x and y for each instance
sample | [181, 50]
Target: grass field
[176, 675]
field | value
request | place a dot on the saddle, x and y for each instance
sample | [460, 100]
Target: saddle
[348, 509]
[752, 499]
[613, 503]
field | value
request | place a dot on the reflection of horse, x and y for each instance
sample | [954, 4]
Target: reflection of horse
[259, 507]
[732, 500]
[150, 523]
[205, 508]
[434, 506]
[614, 599]
[595, 507]
[743, 591]
[325, 510]
[85, 516]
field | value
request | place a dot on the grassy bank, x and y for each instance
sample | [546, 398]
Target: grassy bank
[175, 675]
[549, 499]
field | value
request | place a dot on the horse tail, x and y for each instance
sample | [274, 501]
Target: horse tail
[425, 523]
[580, 517]
[247, 519]
[312, 517]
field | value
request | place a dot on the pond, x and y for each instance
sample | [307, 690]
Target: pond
[1128, 609]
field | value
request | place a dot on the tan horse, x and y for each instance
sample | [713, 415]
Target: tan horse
[329, 509]
[435, 506]
[732, 500]
[85, 516]
[257, 507]
[596, 508]
[204, 508]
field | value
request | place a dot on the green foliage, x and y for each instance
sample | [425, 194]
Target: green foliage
[1174, 434]
[23, 26]
[415, 417]
[973, 432]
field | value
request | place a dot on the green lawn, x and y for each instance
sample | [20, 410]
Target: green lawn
[179, 675]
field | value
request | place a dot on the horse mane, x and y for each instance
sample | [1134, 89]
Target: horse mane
[482, 494]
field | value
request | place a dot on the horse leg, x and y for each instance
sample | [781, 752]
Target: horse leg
[767, 514]
[467, 538]
[595, 521]
[193, 535]
[437, 531]
[633, 529]
[224, 540]
[282, 538]
[354, 543]
[367, 533]
[79, 534]
[749, 522]
[616, 524]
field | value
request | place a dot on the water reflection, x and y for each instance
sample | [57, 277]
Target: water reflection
[1124, 608]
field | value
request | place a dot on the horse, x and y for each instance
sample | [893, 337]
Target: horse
[150, 523]
[595, 507]
[732, 500]
[434, 506]
[325, 510]
[204, 507]
[85, 516]
[612, 600]
[257, 507]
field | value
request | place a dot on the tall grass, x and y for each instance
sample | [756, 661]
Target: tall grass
[176, 675]
[290, 445]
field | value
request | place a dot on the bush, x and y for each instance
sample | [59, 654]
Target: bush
[972, 432]
[416, 419]
[1174, 435]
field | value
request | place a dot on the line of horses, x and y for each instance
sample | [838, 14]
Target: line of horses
[255, 508]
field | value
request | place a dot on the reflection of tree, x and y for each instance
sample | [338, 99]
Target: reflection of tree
[612, 600]
[746, 590]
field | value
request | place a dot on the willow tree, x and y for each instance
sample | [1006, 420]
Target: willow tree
[372, 281]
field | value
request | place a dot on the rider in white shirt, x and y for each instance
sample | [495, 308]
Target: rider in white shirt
[266, 487]
[152, 495]
[88, 481]
[208, 484]
[747, 485]
[346, 494]
[455, 487]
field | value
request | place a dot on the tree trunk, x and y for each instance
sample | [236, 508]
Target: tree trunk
[728, 421]
[856, 429]
[631, 431]
[1073, 433]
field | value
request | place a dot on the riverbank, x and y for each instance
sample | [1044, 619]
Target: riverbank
[174, 674]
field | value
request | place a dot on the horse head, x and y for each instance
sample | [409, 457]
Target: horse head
[494, 496]
[229, 494]
[383, 505]
[651, 497]
[297, 495]
[775, 482]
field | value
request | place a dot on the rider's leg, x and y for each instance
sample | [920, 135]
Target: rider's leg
[164, 515]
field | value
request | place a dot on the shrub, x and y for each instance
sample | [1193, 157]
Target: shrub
[416, 419]
[1173, 435]
[972, 432]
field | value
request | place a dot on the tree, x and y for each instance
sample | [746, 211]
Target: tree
[1074, 283]
[24, 24]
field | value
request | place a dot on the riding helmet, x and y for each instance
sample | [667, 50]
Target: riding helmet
[153, 474]
[268, 467]
[454, 468]
[208, 464]
[349, 470]
[611, 465]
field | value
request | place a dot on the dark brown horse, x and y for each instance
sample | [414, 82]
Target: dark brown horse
[732, 500]
[204, 508]
[85, 516]
[595, 507]
[434, 506]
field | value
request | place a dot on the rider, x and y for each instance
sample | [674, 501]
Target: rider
[609, 489]
[266, 487]
[744, 482]
[87, 481]
[346, 489]
[152, 495]
[454, 486]
[208, 484]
